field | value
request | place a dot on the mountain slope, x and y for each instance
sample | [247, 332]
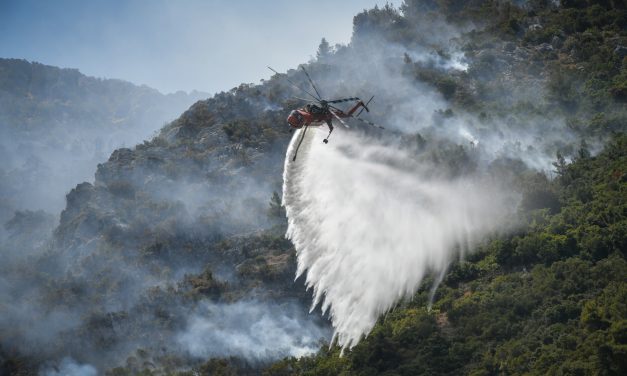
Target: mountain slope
[547, 297]
[169, 229]
[57, 124]
[187, 225]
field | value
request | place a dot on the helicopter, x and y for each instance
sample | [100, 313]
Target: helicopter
[321, 111]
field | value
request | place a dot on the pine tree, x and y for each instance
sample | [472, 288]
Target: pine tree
[276, 207]
[324, 50]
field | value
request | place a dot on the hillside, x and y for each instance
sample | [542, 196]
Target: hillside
[176, 226]
[57, 124]
[549, 297]
[173, 260]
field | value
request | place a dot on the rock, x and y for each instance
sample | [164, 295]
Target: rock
[620, 51]
[122, 155]
[544, 47]
[534, 27]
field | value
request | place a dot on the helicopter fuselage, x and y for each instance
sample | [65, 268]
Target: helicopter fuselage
[301, 117]
[313, 116]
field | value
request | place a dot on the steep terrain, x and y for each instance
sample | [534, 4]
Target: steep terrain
[56, 125]
[182, 237]
[548, 295]
[169, 233]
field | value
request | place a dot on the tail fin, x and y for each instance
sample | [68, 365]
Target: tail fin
[365, 106]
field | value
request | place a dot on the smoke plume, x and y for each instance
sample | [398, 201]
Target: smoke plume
[252, 330]
[68, 367]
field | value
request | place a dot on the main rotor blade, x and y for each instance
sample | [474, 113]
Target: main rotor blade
[343, 100]
[353, 117]
[339, 109]
[339, 118]
[302, 99]
[367, 122]
[311, 82]
[296, 86]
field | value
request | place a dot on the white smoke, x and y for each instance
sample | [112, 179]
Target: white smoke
[68, 367]
[252, 330]
[369, 223]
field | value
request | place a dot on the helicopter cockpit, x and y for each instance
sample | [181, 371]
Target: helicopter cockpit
[296, 119]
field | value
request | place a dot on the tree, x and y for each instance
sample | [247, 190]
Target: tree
[560, 164]
[276, 207]
[324, 50]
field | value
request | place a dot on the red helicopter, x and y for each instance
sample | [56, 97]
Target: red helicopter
[322, 111]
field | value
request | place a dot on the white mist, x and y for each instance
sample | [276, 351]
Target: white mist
[368, 224]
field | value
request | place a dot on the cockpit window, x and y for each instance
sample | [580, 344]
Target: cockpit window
[297, 115]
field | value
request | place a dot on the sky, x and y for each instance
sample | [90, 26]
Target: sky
[210, 46]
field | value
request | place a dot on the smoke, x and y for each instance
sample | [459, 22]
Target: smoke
[372, 216]
[370, 223]
[56, 125]
[252, 330]
[136, 253]
[68, 367]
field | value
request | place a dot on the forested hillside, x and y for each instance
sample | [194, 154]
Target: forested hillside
[57, 124]
[549, 298]
[171, 232]
[174, 262]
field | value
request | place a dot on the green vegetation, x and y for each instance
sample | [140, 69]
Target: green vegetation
[550, 300]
